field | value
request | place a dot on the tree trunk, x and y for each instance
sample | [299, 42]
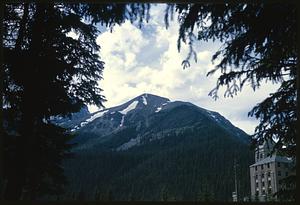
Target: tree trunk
[18, 172]
[22, 170]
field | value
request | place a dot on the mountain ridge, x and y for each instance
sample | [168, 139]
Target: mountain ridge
[147, 108]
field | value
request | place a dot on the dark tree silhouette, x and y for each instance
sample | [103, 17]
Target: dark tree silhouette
[47, 73]
[259, 44]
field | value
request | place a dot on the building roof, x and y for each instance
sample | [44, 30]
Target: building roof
[273, 158]
[269, 143]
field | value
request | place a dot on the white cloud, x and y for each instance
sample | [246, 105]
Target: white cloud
[147, 60]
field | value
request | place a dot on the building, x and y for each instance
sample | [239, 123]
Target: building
[267, 172]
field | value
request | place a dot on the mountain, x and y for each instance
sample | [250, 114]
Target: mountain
[151, 148]
[144, 112]
[72, 120]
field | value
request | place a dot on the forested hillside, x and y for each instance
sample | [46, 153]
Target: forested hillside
[178, 152]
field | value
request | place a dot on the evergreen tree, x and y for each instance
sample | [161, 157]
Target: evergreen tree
[47, 73]
[259, 44]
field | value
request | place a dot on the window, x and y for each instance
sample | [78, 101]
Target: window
[255, 168]
[262, 175]
[268, 165]
[261, 156]
[269, 174]
[263, 192]
[257, 193]
[269, 183]
[278, 164]
[279, 173]
[262, 166]
[263, 184]
[255, 176]
[256, 184]
[270, 191]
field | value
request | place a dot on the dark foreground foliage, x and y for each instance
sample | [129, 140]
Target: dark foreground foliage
[47, 73]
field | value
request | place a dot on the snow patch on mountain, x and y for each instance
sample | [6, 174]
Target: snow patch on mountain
[144, 100]
[92, 118]
[129, 108]
[83, 123]
[159, 108]
[213, 115]
[75, 128]
[122, 121]
[95, 116]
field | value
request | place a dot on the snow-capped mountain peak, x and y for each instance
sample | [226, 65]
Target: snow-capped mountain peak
[146, 114]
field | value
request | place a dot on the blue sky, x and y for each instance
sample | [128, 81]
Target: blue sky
[147, 61]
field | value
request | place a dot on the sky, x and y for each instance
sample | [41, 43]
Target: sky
[146, 60]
